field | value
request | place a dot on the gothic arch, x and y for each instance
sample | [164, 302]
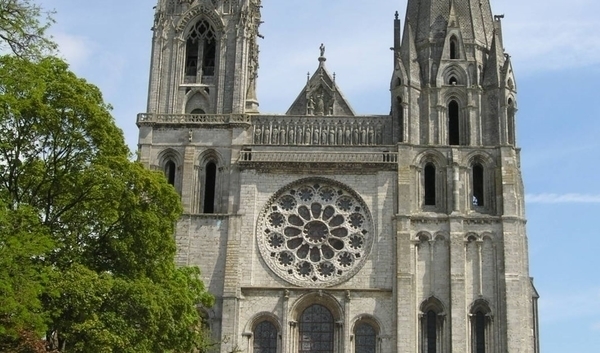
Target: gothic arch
[367, 318]
[441, 236]
[196, 99]
[453, 71]
[171, 163]
[207, 197]
[431, 180]
[432, 333]
[195, 14]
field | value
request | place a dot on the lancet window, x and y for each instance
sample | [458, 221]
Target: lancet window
[201, 51]
[453, 124]
[316, 330]
[265, 338]
[365, 337]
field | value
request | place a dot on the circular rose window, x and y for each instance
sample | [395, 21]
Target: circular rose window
[315, 232]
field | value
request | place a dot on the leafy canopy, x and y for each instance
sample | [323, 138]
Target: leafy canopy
[86, 236]
[23, 26]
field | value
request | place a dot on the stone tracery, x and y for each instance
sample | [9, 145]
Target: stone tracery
[315, 232]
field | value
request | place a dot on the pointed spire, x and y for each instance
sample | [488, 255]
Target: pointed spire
[491, 74]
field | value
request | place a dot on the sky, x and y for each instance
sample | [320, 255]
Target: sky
[555, 49]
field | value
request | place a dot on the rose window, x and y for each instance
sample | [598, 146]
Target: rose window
[315, 231]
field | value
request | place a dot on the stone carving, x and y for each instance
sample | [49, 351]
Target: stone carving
[318, 132]
[322, 50]
[315, 232]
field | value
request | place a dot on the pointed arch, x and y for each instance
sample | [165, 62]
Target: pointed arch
[481, 322]
[430, 184]
[482, 181]
[197, 99]
[453, 123]
[431, 178]
[210, 180]
[200, 50]
[431, 329]
[454, 49]
[170, 163]
[510, 117]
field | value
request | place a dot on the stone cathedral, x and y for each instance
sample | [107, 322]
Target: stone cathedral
[323, 231]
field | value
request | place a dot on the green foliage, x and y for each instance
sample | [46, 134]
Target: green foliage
[86, 235]
[23, 26]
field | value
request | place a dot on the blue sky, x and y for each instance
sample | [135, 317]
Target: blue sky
[555, 48]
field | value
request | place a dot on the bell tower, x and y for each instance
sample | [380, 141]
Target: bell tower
[453, 96]
[204, 57]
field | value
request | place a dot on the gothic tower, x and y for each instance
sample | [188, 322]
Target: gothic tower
[324, 231]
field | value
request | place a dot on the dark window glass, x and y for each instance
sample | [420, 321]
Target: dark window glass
[453, 48]
[198, 111]
[477, 185]
[453, 124]
[265, 338]
[170, 172]
[430, 185]
[431, 332]
[479, 332]
[365, 338]
[209, 187]
[208, 62]
[316, 330]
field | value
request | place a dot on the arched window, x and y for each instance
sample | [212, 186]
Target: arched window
[431, 331]
[198, 111]
[201, 51]
[170, 172]
[510, 116]
[431, 326]
[210, 183]
[479, 332]
[453, 48]
[365, 338]
[316, 330]
[452, 81]
[429, 184]
[478, 185]
[265, 338]
[453, 124]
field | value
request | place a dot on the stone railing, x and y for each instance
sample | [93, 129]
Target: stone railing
[318, 157]
[323, 131]
[193, 119]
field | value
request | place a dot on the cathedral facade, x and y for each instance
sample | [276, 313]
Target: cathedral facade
[323, 231]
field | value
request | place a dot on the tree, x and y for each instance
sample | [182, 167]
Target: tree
[23, 26]
[96, 227]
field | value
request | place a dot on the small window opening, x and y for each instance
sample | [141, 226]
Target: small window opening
[198, 111]
[479, 332]
[453, 81]
[170, 172]
[477, 185]
[510, 116]
[453, 48]
[430, 185]
[453, 124]
[209, 187]
[431, 332]
[265, 338]
[365, 338]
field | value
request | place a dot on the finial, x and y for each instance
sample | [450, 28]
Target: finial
[334, 77]
[396, 15]
[308, 76]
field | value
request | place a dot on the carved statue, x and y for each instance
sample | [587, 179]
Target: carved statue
[310, 106]
[322, 49]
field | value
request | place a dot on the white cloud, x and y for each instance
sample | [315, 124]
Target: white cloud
[562, 198]
[76, 50]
